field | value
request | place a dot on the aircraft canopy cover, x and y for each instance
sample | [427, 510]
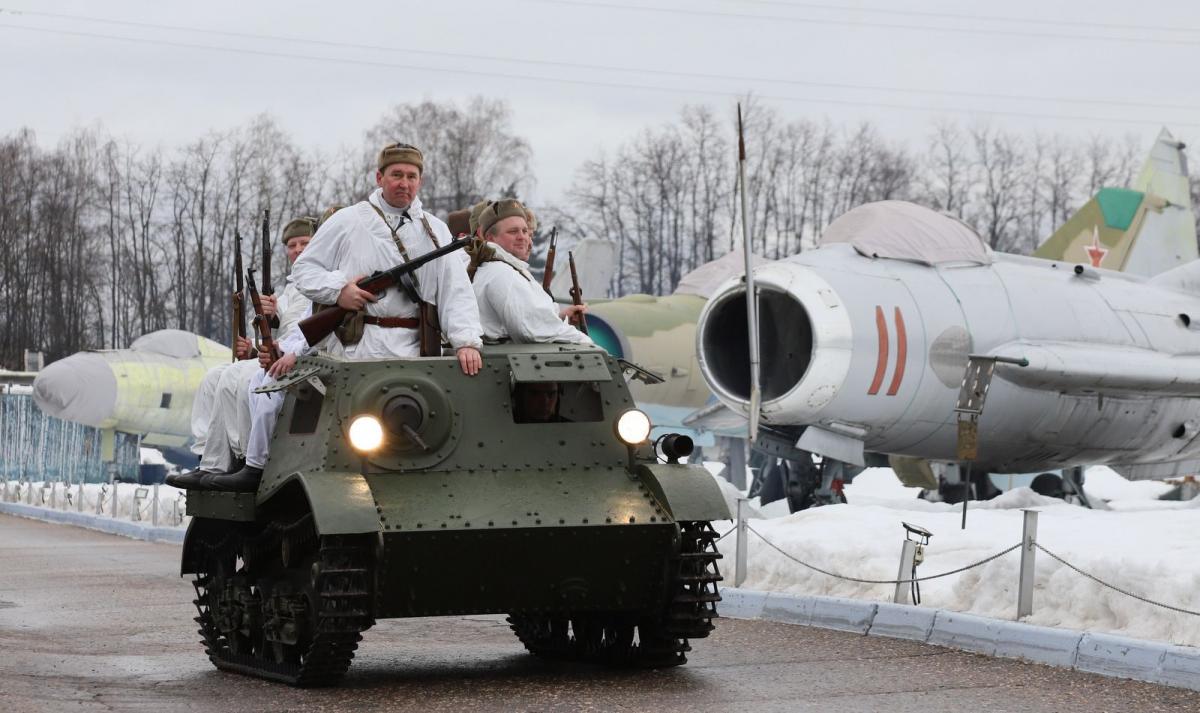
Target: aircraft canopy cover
[899, 230]
[177, 343]
[704, 280]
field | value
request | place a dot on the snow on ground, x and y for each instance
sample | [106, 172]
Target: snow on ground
[171, 501]
[1144, 545]
[151, 456]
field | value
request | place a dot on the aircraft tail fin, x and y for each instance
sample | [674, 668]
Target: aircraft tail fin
[1146, 230]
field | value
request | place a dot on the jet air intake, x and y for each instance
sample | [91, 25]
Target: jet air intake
[805, 333]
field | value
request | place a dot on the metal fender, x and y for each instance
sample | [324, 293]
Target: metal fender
[688, 492]
[341, 502]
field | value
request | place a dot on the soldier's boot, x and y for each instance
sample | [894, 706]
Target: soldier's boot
[243, 481]
[190, 480]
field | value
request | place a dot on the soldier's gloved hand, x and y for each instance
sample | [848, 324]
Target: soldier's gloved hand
[285, 364]
[245, 349]
[269, 306]
[352, 297]
[570, 311]
[470, 360]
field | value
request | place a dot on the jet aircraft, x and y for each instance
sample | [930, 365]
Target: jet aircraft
[867, 339]
[146, 389]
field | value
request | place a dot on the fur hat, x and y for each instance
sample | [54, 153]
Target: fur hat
[401, 153]
[499, 210]
[459, 222]
[329, 213]
[476, 211]
[300, 227]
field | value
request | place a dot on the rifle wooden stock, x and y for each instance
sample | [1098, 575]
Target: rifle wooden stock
[577, 319]
[261, 322]
[267, 288]
[321, 324]
[548, 273]
[239, 300]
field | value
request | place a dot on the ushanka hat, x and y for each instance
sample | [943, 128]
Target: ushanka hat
[476, 211]
[499, 210]
[401, 153]
[299, 228]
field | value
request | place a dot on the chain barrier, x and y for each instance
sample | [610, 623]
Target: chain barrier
[1113, 587]
[881, 581]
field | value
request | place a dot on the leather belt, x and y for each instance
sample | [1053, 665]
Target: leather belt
[392, 322]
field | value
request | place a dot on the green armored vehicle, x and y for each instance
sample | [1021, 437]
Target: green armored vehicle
[401, 488]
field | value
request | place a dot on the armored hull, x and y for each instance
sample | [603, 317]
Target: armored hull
[473, 502]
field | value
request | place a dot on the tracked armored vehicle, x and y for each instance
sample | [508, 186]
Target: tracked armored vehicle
[405, 488]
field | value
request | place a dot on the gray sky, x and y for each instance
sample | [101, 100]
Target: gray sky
[812, 60]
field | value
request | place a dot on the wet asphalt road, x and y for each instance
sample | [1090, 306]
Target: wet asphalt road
[92, 622]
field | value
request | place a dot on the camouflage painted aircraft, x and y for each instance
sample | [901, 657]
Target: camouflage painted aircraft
[146, 389]
[1144, 230]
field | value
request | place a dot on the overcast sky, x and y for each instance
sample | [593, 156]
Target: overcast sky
[582, 75]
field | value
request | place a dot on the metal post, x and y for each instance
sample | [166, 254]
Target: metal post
[154, 507]
[1028, 542]
[903, 589]
[5, 493]
[54, 495]
[739, 575]
[737, 462]
[115, 501]
[79, 497]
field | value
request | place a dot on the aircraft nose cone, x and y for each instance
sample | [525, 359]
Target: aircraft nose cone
[80, 388]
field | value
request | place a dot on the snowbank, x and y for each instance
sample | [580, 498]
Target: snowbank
[1142, 545]
[172, 506]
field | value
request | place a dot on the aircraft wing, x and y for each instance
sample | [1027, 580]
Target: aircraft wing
[1096, 368]
[717, 418]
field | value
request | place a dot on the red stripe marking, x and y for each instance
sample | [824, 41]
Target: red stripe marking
[881, 363]
[901, 354]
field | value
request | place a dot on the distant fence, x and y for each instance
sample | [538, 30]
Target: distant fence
[34, 446]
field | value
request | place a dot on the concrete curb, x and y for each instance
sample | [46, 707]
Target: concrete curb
[1105, 654]
[125, 528]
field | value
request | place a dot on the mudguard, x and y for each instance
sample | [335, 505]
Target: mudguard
[341, 502]
[687, 491]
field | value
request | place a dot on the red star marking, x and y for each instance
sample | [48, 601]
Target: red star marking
[1096, 253]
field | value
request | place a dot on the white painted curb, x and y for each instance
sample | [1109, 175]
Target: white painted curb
[1105, 654]
[125, 528]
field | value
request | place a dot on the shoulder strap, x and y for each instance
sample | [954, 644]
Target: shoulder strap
[413, 293]
[429, 230]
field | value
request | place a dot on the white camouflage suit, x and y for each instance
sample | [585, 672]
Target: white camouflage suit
[355, 241]
[513, 305]
[221, 412]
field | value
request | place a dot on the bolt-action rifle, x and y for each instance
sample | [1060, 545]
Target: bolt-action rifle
[320, 325]
[239, 299]
[577, 319]
[548, 273]
[262, 324]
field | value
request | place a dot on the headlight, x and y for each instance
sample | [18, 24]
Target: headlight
[633, 427]
[366, 433]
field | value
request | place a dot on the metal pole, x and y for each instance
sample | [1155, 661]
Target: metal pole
[79, 497]
[1028, 550]
[751, 291]
[114, 497]
[54, 495]
[903, 589]
[154, 507]
[739, 575]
